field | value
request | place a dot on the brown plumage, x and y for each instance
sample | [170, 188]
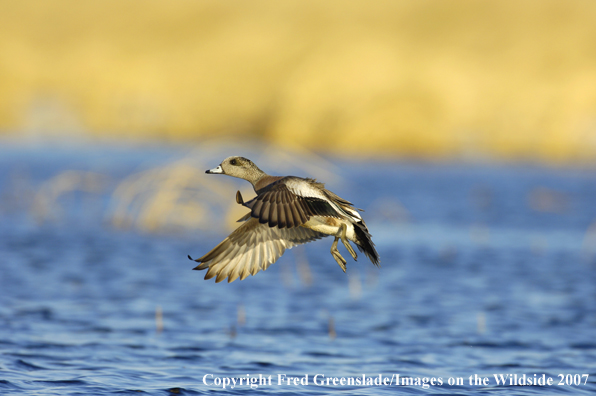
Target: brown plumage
[287, 211]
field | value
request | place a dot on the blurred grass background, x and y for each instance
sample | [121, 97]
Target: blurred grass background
[432, 79]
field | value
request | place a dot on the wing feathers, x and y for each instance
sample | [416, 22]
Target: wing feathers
[256, 208]
[252, 247]
[296, 214]
[264, 215]
[279, 206]
[273, 215]
[304, 197]
[281, 215]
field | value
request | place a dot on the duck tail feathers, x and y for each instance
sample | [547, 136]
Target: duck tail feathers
[365, 243]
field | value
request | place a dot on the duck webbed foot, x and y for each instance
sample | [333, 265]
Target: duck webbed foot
[335, 253]
[341, 234]
[239, 199]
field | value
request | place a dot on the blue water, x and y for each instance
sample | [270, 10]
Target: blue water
[486, 269]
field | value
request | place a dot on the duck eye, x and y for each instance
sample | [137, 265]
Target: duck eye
[233, 162]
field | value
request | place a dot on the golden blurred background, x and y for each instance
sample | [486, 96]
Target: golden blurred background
[507, 79]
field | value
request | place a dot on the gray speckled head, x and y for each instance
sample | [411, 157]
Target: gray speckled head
[239, 167]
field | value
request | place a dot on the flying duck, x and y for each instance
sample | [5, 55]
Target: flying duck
[286, 212]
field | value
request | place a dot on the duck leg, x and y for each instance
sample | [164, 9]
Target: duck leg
[342, 234]
[335, 253]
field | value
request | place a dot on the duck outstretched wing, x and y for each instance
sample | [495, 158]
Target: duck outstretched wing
[291, 202]
[252, 247]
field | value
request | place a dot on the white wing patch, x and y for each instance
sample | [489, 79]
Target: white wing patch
[305, 189]
[302, 188]
[353, 213]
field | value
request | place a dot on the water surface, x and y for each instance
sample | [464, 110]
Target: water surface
[485, 270]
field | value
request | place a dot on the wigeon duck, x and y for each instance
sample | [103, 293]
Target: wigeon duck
[286, 212]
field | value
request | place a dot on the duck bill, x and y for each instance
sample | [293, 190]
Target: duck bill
[215, 170]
